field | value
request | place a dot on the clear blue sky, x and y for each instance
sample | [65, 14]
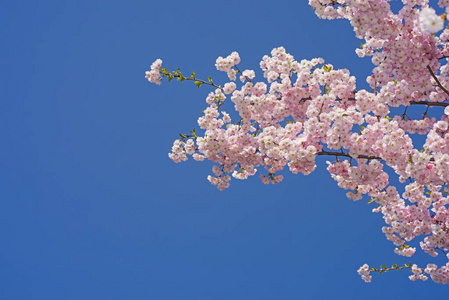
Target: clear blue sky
[91, 206]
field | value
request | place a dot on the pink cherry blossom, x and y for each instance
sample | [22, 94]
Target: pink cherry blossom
[305, 109]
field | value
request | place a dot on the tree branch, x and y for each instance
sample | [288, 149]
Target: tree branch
[177, 74]
[430, 103]
[437, 81]
[346, 155]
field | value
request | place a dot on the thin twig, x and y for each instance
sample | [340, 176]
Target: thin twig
[437, 81]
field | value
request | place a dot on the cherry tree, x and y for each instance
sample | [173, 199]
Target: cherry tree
[304, 109]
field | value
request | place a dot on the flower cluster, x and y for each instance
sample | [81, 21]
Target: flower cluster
[154, 75]
[429, 21]
[364, 272]
[226, 64]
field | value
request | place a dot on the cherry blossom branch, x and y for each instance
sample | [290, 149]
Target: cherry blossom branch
[386, 139]
[365, 271]
[393, 267]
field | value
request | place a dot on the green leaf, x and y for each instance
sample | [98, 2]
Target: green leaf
[198, 84]
[327, 68]
[371, 200]
[210, 80]
[410, 160]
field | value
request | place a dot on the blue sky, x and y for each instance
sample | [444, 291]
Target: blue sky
[91, 205]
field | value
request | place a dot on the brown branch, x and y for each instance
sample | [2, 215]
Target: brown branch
[346, 155]
[437, 81]
[430, 103]
[238, 71]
